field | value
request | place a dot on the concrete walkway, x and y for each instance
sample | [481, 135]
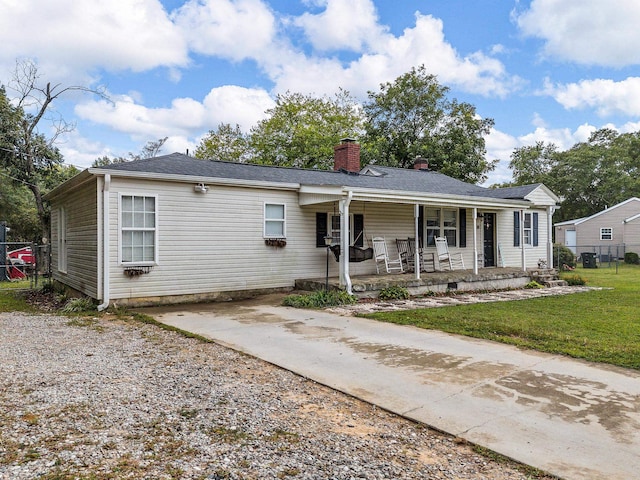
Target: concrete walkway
[570, 418]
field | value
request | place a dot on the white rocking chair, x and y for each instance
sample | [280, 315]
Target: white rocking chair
[381, 255]
[453, 260]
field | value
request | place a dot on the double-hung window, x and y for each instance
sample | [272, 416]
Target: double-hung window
[528, 231]
[275, 220]
[138, 229]
[442, 222]
[606, 233]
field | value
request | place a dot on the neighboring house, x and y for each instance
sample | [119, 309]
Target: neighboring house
[608, 233]
[175, 228]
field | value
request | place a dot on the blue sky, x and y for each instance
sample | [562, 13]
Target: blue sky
[544, 70]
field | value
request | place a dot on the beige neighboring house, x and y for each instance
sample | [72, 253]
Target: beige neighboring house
[175, 228]
[609, 233]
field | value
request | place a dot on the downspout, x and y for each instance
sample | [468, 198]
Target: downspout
[105, 243]
[416, 251]
[550, 211]
[345, 279]
[475, 240]
[522, 253]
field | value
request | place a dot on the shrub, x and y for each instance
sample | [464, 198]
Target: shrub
[319, 299]
[574, 280]
[533, 284]
[632, 258]
[563, 256]
[77, 305]
[393, 293]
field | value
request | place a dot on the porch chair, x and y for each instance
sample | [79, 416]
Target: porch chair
[426, 258]
[381, 256]
[406, 253]
[454, 260]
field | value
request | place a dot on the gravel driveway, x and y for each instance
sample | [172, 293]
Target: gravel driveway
[106, 398]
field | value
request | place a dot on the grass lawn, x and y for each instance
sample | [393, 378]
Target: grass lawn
[599, 325]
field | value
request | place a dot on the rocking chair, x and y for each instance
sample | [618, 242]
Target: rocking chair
[453, 260]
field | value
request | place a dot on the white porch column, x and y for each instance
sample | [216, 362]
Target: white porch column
[550, 211]
[475, 240]
[522, 245]
[345, 235]
[417, 261]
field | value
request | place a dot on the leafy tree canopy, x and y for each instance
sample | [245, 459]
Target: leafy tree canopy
[226, 143]
[412, 117]
[588, 177]
[301, 130]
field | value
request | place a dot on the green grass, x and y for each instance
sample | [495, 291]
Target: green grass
[598, 325]
[14, 301]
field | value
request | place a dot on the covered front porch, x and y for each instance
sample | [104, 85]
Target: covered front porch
[369, 286]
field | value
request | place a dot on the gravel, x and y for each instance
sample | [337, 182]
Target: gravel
[109, 398]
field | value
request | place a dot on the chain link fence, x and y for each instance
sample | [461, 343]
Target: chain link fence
[24, 265]
[593, 256]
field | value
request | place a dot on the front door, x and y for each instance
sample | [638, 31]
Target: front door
[489, 235]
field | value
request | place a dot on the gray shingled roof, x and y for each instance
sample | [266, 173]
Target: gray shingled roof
[390, 178]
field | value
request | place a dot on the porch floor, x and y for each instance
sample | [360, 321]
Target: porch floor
[368, 286]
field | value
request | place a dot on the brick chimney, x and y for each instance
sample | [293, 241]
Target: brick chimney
[421, 163]
[347, 156]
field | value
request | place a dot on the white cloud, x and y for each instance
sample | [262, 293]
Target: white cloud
[501, 145]
[344, 24]
[591, 32]
[184, 117]
[606, 97]
[67, 35]
[230, 29]
[386, 59]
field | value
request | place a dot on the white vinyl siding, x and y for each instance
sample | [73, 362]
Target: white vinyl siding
[81, 239]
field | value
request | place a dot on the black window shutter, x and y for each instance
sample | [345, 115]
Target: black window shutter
[321, 228]
[421, 226]
[463, 227]
[358, 229]
[516, 229]
[534, 219]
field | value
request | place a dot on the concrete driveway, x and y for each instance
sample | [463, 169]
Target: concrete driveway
[570, 418]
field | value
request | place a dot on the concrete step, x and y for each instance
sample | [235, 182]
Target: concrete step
[556, 283]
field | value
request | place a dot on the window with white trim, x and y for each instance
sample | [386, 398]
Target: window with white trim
[441, 222]
[275, 220]
[138, 229]
[606, 233]
[528, 229]
[334, 228]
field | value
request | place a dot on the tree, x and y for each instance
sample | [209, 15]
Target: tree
[412, 117]
[532, 164]
[301, 130]
[588, 177]
[227, 143]
[28, 155]
[151, 149]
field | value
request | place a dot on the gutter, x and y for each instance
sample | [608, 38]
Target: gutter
[105, 243]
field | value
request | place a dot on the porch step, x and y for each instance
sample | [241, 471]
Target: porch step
[548, 277]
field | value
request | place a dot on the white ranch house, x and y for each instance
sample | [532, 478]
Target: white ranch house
[175, 228]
